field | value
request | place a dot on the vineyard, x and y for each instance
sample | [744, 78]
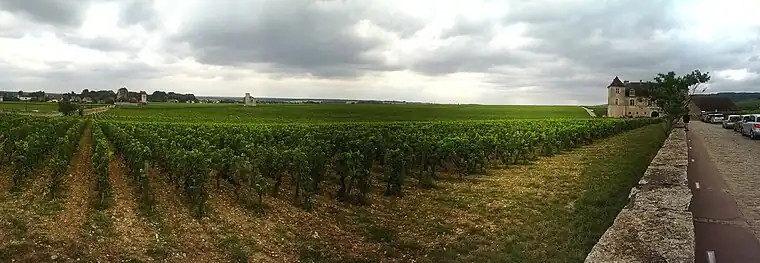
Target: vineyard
[315, 113]
[224, 192]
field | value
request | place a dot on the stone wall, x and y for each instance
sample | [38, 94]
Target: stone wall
[656, 225]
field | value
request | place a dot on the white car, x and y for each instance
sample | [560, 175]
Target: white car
[716, 119]
[751, 126]
[708, 118]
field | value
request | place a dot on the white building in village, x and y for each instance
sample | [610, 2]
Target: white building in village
[249, 101]
[143, 97]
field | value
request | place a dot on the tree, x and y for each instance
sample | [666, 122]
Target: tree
[157, 96]
[38, 96]
[122, 95]
[673, 93]
[66, 107]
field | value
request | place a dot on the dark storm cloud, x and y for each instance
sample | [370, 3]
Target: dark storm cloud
[313, 37]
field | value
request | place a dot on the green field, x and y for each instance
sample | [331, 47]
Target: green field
[41, 107]
[237, 113]
[750, 106]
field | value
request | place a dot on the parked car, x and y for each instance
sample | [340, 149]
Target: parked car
[751, 126]
[708, 118]
[717, 118]
[738, 125]
[729, 122]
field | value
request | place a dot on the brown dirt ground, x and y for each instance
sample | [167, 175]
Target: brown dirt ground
[135, 234]
[195, 239]
[68, 224]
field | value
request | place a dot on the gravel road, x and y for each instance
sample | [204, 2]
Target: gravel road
[738, 160]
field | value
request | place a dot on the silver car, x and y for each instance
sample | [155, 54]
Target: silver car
[716, 118]
[751, 126]
[729, 122]
[738, 125]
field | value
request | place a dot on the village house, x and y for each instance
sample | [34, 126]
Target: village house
[630, 99]
[143, 98]
[248, 100]
[701, 104]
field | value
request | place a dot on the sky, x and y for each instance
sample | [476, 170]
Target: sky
[443, 51]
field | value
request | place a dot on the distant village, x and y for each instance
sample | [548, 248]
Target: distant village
[121, 96]
[125, 97]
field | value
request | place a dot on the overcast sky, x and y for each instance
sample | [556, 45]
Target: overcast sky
[469, 51]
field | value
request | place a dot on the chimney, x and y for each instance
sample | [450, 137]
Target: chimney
[626, 82]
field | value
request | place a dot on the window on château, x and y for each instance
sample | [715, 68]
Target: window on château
[617, 90]
[631, 102]
[633, 93]
[616, 102]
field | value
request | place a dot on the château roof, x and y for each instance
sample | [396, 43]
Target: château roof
[640, 88]
[616, 83]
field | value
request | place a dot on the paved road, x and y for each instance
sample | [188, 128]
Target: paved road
[590, 112]
[724, 176]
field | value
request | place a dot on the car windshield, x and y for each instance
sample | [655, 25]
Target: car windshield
[735, 118]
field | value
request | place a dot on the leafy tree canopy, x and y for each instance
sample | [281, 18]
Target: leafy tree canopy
[67, 108]
[672, 93]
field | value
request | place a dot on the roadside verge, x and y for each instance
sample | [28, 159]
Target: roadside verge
[656, 225]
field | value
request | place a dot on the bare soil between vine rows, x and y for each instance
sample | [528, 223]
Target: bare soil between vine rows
[551, 210]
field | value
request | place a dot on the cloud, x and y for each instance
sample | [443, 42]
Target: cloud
[316, 37]
[452, 51]
[57, 12]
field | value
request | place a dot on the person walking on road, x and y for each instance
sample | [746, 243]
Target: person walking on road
[686, 118]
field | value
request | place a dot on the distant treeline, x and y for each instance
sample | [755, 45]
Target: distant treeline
[100, 96]
[160, 96]
[736, 97]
